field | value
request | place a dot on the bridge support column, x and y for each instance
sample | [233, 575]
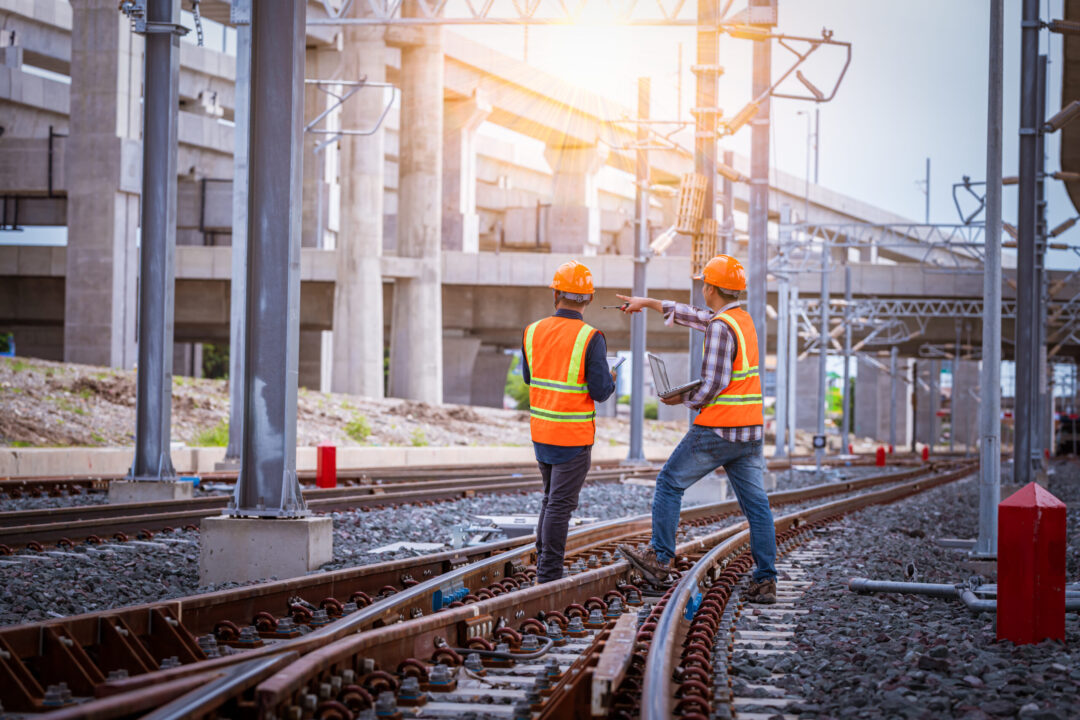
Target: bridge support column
[460, 222]
[317, 230]
[489, 377]
[103, 176]
[459, 359]
[416, 327]
[358, 295]
[573, 224]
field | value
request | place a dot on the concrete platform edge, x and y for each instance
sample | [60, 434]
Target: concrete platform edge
[32, 462]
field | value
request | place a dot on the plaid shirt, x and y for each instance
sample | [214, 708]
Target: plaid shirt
[716, 362]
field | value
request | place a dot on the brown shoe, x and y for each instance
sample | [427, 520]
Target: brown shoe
[763, 593]
[647, 564]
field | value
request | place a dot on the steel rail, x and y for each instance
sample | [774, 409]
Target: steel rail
[390, 618]
[663, 656]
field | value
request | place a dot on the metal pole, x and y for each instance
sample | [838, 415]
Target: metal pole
[927, 214]
[267, 485]
[817, 141]
[894, 361]
[727, 234]
[954, 402]
[783, 311]
[823, 351]
[990, 378]
[641, 252]
[1040, 432]
[161, 105]
[793, 376]
[845, 429]
[759, 193]
[706, 114]
[241, 17]
[1025, 274]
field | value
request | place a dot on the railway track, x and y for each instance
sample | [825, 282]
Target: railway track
[16, 487]
[36, 529]
[307, 635]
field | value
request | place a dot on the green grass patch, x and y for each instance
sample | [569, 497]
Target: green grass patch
[17, 365]
[418, 437]
[20, 444]
[216, 436]
[651, 410]
[67, 406]
[97, 438]
[358, 429]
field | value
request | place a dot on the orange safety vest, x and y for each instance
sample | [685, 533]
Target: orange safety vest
[561, 410]
[738, 404]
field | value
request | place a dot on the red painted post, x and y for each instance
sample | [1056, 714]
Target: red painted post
[880, 459]
[326, 466]
[850, 449]
[1031, 566]
[891, 449]
[926, 453]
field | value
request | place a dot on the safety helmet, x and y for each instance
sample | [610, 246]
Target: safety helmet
[725, 272]
[573, 277]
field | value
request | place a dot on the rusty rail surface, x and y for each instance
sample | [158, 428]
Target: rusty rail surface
[420, 609]
[706, 582]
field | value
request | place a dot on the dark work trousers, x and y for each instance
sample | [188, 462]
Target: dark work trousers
[562, 484]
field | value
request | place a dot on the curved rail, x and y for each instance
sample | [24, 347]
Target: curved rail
[671, 628]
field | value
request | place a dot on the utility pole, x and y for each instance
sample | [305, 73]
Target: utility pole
[793, 375]
[706, 113]
[783, 311]
[845, 422]
[1040, 430]
[240, 12]
[894, 381]
[641, 252]
[161, 103]
[1025, 271]
[990, 379]
[927, 213]
[759, 193]
[823, 352]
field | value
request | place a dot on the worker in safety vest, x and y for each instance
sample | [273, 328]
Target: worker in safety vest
[727, 432]
[567, 372]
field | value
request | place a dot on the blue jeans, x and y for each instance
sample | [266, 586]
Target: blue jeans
[699, 453]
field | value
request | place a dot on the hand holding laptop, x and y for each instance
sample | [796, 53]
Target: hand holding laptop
[663, 387]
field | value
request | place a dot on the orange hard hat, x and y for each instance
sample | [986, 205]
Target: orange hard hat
[725, 272]
[573, 277]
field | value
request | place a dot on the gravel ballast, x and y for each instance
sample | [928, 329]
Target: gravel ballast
[905, 656]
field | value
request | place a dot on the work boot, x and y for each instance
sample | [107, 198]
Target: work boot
[763, 593]
[648, 565]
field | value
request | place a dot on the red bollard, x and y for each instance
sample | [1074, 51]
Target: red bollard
[1031, 567]
[891, 449]
[326, 466]
[926, 453]
[880, 459]
[850, 449]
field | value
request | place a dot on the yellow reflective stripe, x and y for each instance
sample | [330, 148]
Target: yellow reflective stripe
[578, 354]
[557, 416]
[529, 345]
[556, 386]
[738, 334]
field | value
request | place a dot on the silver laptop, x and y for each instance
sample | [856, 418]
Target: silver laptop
[661, 382]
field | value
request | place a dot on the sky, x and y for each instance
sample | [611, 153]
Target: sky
[916, 88]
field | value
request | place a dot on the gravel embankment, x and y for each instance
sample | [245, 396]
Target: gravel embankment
[899, 656]
[9, 504]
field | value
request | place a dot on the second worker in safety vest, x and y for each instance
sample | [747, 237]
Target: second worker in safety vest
[567, 373]
[727, 431]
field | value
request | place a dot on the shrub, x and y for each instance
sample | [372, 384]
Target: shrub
[651, 410]
[419, 437]
[516, 387]
[358, 428]
[216, 436]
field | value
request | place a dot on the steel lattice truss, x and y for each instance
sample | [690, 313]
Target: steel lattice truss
[514, 12]
[940, 248]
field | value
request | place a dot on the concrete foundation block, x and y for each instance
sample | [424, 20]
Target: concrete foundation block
[246, 549]
[136, 491]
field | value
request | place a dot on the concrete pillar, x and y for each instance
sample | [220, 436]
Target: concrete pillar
[459, 358]
[358, 297]
[460, 222]
[609, 408]
[310, 363]
[573, 222]
[320, 64]
[873, 390]
[965, 404]
[104, 161]
[416, 321]
[928, 402]
[806, 383]
[489, 377]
